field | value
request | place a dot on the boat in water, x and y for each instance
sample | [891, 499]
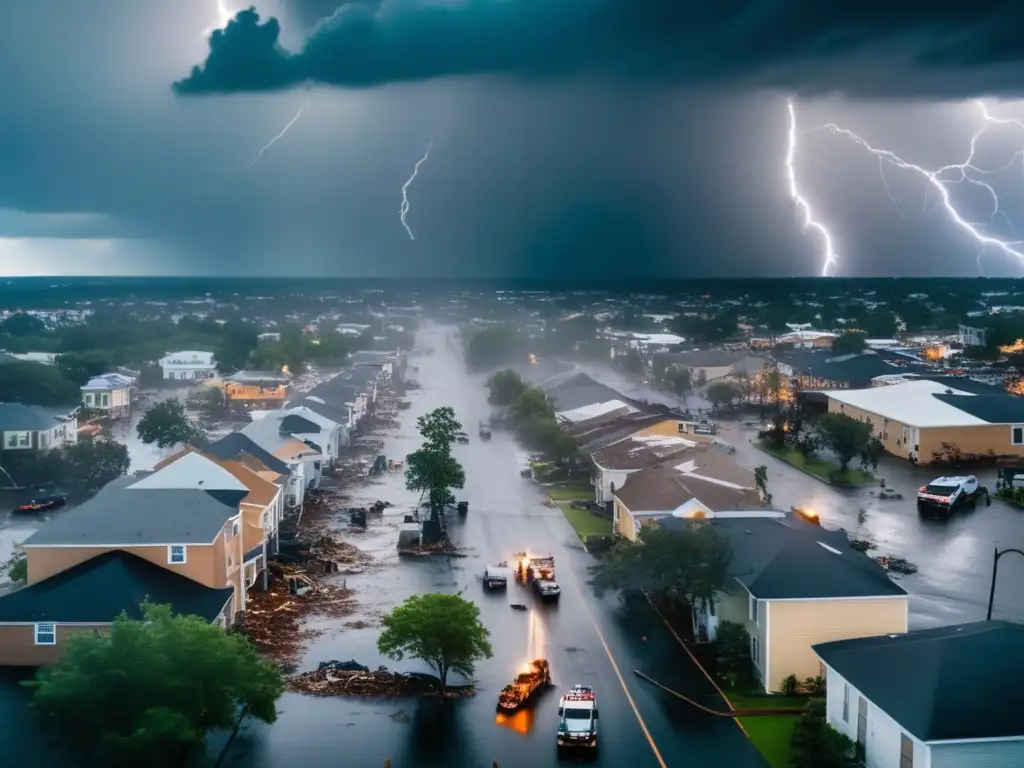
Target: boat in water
[526, 684]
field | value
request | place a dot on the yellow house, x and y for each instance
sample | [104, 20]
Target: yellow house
[702, 477]
[794, 585]
[920, 420]
[173, 536]
[258, 390]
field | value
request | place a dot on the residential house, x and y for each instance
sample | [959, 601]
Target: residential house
[342, 392]
[341, 416]
[702, 478]
[580, 390]
[111, 392]
[972, 337]
[35, 427]
[262, 510]
[256, 390]
[392, 363]
[948, 697]
[823, 370]
[716, 363]
[794, 584]
[923, 420]
[188, 365]
[185, 518]
[238, 447]
[616, 462]
[805, 337]
[328, 436]
[290, 439]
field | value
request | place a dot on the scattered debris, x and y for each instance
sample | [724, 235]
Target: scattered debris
[897, 565]
[863, 545]
[517, 607]
[348, 678]
[330, 555]
[887, 494]
[443, 547]
[273, 619]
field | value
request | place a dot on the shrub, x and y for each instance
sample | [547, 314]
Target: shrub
[732, 654]
[790, 686]
[817, 745]
[814, 686]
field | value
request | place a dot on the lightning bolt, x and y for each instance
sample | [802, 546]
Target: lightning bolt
[939, 181]
[276, 138]
[809, 222]
[224, 15]
[404, 208]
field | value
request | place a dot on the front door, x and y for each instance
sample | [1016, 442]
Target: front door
[915, 439]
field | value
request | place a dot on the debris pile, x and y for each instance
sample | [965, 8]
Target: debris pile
[273, 619]
[329, 555]
[348, 678]
[897, 565]
[442, 547]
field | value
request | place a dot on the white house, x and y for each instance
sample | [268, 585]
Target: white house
[949, 697]
[33, 427]
[188, 365]
[328, 438]
[111, 392]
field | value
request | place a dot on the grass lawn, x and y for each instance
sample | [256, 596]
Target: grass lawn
[770, 733]
[819, 467]
[584, 521]
[571, 492]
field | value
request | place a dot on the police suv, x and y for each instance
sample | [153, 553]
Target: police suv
[578, 710]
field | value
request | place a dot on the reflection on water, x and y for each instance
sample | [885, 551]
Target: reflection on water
[521, 722]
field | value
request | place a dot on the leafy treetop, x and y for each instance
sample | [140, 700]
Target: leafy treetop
[167, 424]
[506, 386]
[846, 436]
[147, 692]
[443, 630]
[431, 468]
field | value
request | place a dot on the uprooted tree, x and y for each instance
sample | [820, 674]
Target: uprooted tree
[431, 469]
[443, 630]
[148, 691]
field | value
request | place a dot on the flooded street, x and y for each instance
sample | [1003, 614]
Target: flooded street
[586, 639]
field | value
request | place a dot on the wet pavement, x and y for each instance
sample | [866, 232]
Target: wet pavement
[954, 557]
[587, 640]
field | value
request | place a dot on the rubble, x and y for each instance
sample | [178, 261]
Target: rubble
[443, 547]
[348, 678]
[273, 619]
[330, 555]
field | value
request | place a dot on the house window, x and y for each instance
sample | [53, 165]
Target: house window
[44, 440]
[234, 529]
[846, 703]
[755, 655]
[682, 427]
[46, 634]
[176, 554]
[24, 439]
[106, 400]
[1017, 435]
[906, 751]
[88, 399]
[752, 609]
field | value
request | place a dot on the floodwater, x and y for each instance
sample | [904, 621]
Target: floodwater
[587, 640]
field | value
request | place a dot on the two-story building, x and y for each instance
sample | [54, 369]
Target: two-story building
[173, 536]
[36, 427]
[188, 365]
[296, 441]
[256, 390]
[111, 392]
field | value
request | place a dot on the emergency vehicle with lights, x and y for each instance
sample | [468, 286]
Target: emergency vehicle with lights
[578, 713]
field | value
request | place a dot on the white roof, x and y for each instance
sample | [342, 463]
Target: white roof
[594, 410]
[662, 441]
[909, 403]
[191, 471]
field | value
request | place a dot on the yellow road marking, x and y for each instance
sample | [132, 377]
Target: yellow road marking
[622, 681]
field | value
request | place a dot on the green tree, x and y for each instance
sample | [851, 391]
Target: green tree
[505, 387]
[722, 393]
[18, 572]
[532, 405]
[148, 691]
[443, 630]
[544, 435]
[79, 367]
[679, 380]
[167, 424]
[846, 436]
[689, 563]
[431, 469]
[871, 453]
[36, 384]
[849, 344]
[21, 324]
[91, 464]
[816, 744]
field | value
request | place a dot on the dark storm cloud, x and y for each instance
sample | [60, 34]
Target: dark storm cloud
[948, 48]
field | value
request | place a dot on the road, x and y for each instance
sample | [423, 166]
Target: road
[590, 640]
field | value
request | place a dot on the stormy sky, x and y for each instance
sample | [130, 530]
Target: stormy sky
[611, 139]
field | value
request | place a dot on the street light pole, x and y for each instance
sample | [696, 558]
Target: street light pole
[995, 570]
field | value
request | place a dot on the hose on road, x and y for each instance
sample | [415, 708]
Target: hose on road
[708, 710]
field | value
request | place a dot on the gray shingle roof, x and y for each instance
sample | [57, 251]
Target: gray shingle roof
[125, 516]
[958, 682]
[582, 390]
[791, 559]
[16, 416]
[993, 408]
[235, 445]
[101, 588]
[328, 411]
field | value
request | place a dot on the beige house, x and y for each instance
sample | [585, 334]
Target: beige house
[916, 420]
[699, 479]
[173, 536]
[795, 585]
